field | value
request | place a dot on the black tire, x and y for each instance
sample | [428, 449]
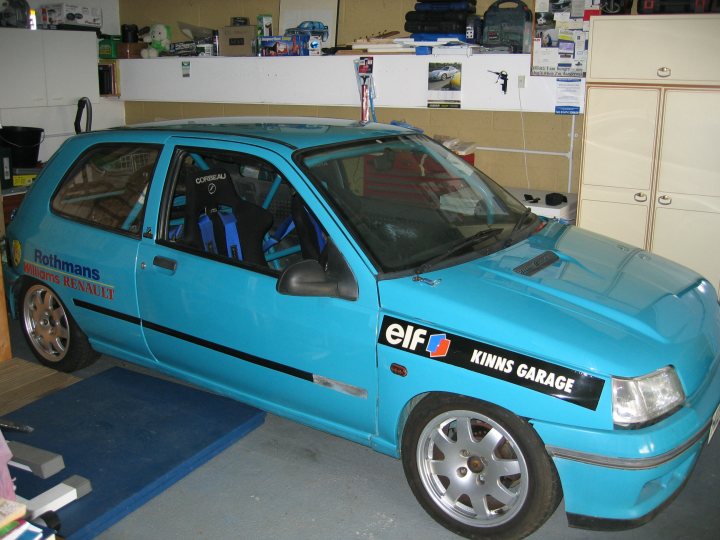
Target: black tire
[498, 482]
[50, 331]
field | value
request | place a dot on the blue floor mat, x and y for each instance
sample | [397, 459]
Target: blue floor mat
[131, 435]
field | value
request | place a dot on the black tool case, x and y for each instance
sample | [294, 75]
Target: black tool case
[508, 23]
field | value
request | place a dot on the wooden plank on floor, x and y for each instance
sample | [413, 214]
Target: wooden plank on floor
[5, 350]
[22, 382]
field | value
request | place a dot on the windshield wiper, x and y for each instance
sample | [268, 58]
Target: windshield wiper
[469, 241]
[520, 222]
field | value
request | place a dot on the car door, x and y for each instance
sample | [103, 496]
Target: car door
[218, 320]
[91, 238]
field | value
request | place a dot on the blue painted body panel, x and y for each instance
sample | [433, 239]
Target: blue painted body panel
[603, 309]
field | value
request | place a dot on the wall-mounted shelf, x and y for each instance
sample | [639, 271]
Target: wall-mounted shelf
[400, 81]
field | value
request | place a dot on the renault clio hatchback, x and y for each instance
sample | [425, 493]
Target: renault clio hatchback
[363, 280]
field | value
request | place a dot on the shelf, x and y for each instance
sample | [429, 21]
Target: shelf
[400, 81]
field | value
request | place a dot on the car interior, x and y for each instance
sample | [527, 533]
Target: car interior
[235, 206]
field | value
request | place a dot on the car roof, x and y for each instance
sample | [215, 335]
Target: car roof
[294, 132]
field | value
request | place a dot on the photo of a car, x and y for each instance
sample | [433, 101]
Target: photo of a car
[443, 73]
[363, 280]
[314, 28]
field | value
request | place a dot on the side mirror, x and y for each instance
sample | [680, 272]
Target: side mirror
[309, 278]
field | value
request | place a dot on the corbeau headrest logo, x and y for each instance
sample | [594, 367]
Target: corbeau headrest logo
[210, 178]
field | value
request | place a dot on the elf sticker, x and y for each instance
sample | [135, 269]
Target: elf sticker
[547, 378]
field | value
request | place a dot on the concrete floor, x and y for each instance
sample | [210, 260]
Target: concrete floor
[288, 481]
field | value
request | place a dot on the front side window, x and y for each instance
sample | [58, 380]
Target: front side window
[108, 186]
[409, 202]
[239, 209]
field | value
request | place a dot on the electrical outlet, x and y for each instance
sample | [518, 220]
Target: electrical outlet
[521, 81]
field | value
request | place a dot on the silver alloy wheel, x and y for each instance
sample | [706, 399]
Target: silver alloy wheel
[472, 468]
[46, 323]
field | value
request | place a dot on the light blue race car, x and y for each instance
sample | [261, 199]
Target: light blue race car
[363, 280]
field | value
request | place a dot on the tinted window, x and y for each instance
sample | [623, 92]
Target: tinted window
[108, 187]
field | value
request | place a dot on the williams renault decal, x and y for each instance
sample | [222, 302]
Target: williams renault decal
[50, 268]
[557, 381]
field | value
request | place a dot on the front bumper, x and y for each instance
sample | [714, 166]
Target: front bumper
[639, 472]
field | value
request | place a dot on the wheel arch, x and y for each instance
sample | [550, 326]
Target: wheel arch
[542, 489]
[14, 298]
[413, 402]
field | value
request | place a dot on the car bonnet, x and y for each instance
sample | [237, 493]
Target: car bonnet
[573, 298]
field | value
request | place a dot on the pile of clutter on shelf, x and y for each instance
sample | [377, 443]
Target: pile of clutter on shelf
[454, 27]
[437, 17]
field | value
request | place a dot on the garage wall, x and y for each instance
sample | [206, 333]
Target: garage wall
[498, 130]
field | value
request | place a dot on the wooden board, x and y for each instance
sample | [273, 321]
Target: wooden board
[22, 382]
[5, 351]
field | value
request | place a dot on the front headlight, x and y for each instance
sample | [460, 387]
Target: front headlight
[641, 400]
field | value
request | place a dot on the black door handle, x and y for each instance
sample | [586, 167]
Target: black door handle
[164, 262]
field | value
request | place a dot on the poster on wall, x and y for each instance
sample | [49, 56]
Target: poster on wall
[305, 14]
[560, 37]
[444, 85]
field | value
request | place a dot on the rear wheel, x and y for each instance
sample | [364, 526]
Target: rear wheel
[55, 339]
[477, 469]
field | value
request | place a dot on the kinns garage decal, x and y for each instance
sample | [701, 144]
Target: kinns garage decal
[50, 268]
[557, 381]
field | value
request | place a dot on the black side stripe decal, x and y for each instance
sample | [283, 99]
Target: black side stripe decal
[300, 374]
[106, 311]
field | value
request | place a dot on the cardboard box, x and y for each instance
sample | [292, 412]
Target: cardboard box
[296, 45]
[237, 41]
[24, 177]
[130, 50]
[70, 15]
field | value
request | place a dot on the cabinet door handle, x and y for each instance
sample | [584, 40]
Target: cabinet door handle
[640, 197]
[664, 72]
[665, 199]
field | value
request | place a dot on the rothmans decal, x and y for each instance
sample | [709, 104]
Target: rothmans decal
[567, 384]
[50, 268]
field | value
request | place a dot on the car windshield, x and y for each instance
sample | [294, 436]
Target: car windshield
[412, 204]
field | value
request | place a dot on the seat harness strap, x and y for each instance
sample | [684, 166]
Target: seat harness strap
[232, 240]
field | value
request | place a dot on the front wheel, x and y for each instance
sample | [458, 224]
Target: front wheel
[54, 338]
[477, 469]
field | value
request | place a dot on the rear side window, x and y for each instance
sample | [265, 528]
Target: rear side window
[108, 187]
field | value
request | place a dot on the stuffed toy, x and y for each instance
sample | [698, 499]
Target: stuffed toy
[159, 39]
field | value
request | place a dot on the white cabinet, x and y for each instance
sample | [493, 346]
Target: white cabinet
[47, 67]
[671, 49]
[686, 220]
[651, 168]
[22, 69]
[617, 176]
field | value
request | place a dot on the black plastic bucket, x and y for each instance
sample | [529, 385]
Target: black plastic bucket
[24, 144]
